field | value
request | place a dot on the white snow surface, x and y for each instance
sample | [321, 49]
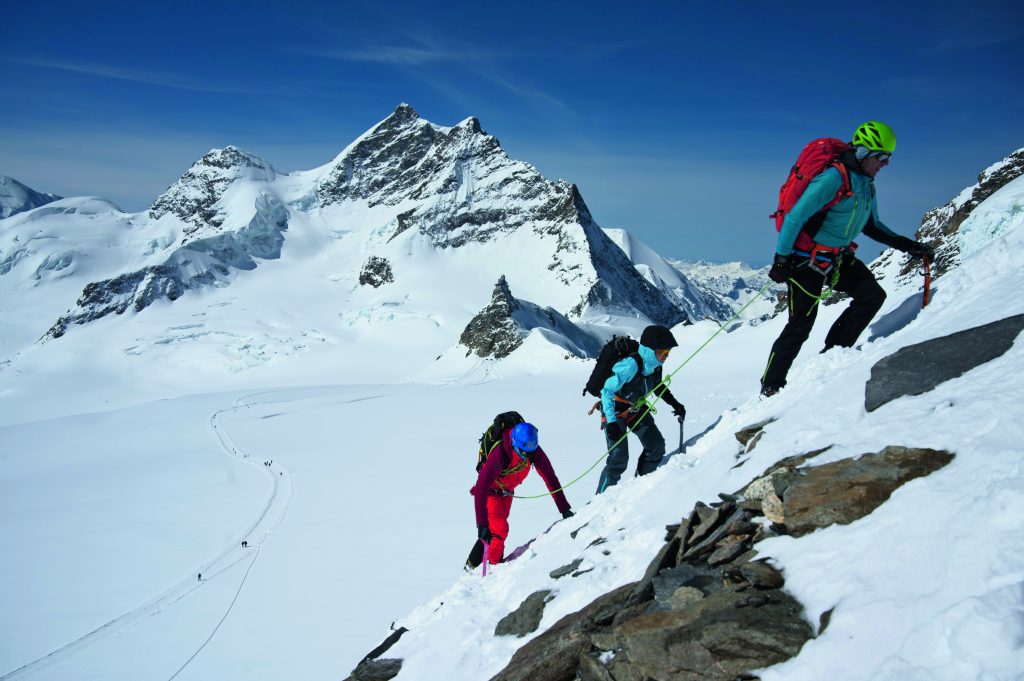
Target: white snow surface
[141, 451]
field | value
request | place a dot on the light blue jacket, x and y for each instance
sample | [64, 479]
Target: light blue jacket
[843, 222]
[623, 372]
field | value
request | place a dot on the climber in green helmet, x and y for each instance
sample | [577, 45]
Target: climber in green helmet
[815, 243]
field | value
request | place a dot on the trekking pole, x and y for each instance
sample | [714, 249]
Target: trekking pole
[927, 282]
[483, 563]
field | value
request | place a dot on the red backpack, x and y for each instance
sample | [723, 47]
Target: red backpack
[816, 157]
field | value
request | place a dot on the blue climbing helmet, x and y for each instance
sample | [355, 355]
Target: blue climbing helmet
[524, 437]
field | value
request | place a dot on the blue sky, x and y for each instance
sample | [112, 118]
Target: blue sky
[677, 120]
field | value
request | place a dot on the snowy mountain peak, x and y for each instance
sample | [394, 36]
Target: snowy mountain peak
[16, 197]
[195, 197]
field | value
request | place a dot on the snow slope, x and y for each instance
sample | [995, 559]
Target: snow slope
[137, 456]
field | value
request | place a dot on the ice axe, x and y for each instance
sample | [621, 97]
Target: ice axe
[483, 563]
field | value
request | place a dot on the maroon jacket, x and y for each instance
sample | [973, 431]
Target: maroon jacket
[498, 477]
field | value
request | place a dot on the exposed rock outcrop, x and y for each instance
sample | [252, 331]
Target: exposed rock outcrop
[203, 262]
[526, 618]
[493, 332]
[466, 190]
[500, 327]
[917, 369]
[940, 226]
[708, 608]
[376, 272]
[195, 196]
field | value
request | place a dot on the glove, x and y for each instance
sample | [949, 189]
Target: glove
[614, 430]
[568, 514]
[781, 269]
[484, 533]
[680, 412]
[919, 249]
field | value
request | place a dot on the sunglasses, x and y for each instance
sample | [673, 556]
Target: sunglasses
[882, 156]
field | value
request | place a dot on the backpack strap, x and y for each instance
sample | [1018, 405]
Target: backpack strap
[805, 237]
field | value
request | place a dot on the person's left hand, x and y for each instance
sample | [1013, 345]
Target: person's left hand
[919, 249]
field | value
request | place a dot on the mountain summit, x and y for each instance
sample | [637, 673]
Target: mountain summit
[411, 215]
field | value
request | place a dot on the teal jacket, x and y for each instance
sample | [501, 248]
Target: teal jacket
[624, 371]
[844, 221]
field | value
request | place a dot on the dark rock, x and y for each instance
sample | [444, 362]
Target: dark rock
[705, 579]
[747, 434]
[712, 639]
[526, 618]
[555, 654]
[846, 490]
[707, 545]
[916, 369]
[376, 670]
[493, 332]
[591, 669]
[761, 575]
[825, 620]
[376, 272]
[728, 550]
[565, 569]
[391, 640]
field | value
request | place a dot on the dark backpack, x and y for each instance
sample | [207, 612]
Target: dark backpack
[815, 158]
[492, 436]
[619, 347]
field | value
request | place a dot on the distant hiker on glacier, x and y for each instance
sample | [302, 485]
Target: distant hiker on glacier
[507, 451]
[827, 201]
[631, 379]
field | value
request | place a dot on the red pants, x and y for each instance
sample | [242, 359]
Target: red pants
[497, 521]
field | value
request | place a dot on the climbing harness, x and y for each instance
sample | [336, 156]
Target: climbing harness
[649, 405]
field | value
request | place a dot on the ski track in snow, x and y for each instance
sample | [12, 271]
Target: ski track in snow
[269, 520]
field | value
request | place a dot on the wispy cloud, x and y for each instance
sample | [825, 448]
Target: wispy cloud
[149, 77]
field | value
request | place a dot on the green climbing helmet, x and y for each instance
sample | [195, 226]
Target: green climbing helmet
[876, 136]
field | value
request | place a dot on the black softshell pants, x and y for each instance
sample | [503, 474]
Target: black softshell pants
[856, 280]
[654, 450]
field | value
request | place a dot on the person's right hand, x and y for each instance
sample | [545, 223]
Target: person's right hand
[614, 430]
[781, 269]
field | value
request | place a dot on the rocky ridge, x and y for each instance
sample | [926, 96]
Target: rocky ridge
[940, 226]
[458, 187]
[500, 327]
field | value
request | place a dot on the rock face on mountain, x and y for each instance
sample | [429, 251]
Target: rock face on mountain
[708, 608]
[16, 197]
[940, 227]
[194, 198]
[202, 262]
[499, 329]
[916, 369]
[405, 188]
[376, 272]
[458, 187]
